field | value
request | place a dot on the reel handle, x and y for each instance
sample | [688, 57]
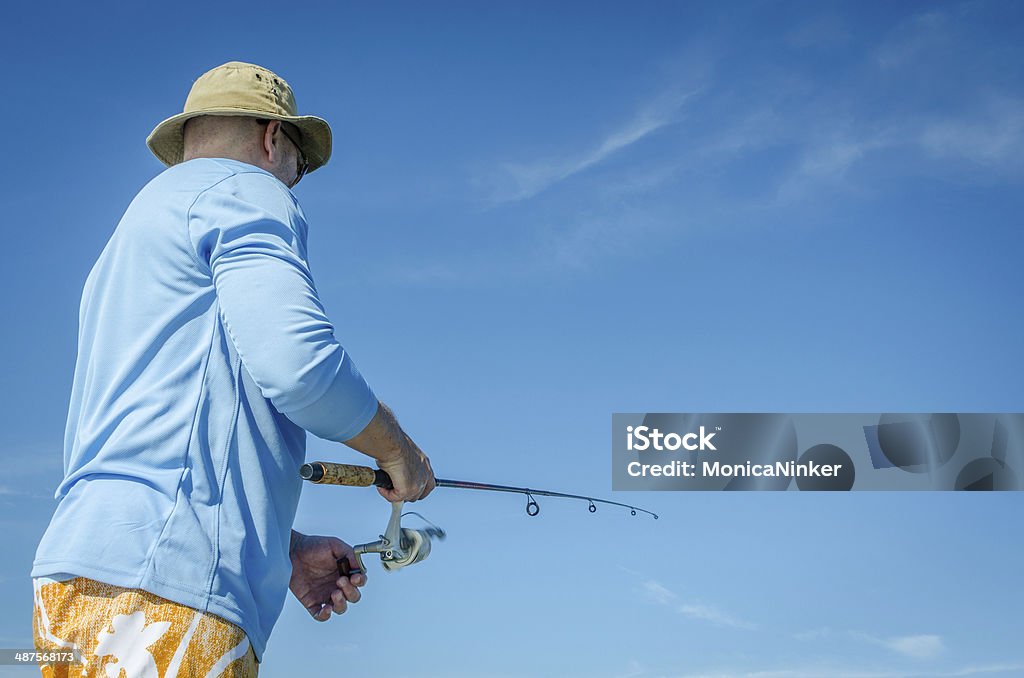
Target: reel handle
[346, 570]
[329, 473]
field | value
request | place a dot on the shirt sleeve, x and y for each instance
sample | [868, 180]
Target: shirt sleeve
[249, 232]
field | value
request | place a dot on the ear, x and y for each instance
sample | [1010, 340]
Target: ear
[269, 143]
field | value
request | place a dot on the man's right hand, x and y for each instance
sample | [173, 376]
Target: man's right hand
[411, 475]
[395, 452]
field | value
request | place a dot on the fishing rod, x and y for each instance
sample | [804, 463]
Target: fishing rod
[400, 546]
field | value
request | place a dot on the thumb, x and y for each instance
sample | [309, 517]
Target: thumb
[339, 549]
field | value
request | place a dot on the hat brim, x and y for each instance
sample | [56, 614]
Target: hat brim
[167, 140]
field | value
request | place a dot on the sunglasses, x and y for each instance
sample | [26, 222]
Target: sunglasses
[301, 164]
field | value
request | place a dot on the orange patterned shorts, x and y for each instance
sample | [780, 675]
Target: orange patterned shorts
[133, 633]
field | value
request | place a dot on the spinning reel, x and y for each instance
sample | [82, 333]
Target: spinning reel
[398, 547]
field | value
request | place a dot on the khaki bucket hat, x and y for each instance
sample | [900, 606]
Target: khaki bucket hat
[238, 88]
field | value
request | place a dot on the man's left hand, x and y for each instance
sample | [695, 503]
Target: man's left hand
[315, 578]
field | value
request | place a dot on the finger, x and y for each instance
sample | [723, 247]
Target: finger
[338, 602]
[431, 484]
[394, 495]
[353, 580]
[348, 587]
[417, 490]
[319, 612]
[351, 593]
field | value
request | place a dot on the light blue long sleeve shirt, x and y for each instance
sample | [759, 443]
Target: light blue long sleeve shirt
[204, 354]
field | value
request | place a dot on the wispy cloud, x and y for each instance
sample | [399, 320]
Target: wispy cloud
[814, 634]
[993, 137]
[986, 669]
[767, 139]
[912, 39]
[923, 646]
[918, 646]
[714, 615]
[521, 180]
[8, 491]
[662, 595]
[592, 237]
[825, 161]
[658, 593]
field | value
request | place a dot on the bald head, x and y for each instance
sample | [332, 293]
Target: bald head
[219, 136]
[249, 140]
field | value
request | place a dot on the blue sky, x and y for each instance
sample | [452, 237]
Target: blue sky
[538, 214]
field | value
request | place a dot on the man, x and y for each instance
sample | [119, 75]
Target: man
[204, 356]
